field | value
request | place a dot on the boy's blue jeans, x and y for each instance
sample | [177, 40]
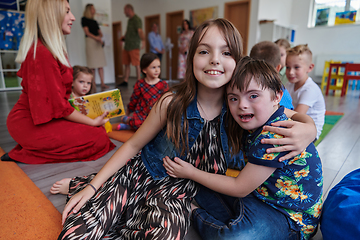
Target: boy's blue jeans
[224, 217]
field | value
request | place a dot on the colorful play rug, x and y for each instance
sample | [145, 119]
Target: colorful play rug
[25, 212]
[331, 118]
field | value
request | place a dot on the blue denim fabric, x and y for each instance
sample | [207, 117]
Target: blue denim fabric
[153, 153]
[240, 218]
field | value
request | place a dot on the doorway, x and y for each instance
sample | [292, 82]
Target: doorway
[149, 21]
[118, 66]
[173, 29]
[239, 14]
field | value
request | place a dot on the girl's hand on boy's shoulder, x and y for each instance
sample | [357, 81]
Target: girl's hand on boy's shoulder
[177, 168]
[294, 140]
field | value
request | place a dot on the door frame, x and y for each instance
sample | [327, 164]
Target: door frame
[168, 30]
[117, 52]
[149, 20]
[227, 7]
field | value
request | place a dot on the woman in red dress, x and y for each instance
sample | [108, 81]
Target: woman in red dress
[42, 122]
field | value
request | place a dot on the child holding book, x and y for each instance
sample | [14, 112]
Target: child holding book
[132, 197]
[278, 200]
[43, 123]
[305, 93]
[84, 84]
[146, 92]
[83, 78]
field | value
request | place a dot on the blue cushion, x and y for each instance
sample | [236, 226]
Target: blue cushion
[341, 211]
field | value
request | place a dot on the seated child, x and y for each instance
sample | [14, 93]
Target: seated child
[270, 53]
[146, 92]
[83, 78]
[305, 93]
[84, 84]
[284, 45]
[283, 199]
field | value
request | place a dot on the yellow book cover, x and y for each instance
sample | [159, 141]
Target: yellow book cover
[94, 105]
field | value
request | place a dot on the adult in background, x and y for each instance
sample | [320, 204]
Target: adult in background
[155, 41]
[42, 122]
[95, 56]
[133, 37]
[183, 43]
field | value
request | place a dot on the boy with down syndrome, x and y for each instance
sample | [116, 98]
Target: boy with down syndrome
[274, 200]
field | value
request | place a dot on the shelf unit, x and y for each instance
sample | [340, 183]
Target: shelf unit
[8, 70]
[8, 66]
[271, 31]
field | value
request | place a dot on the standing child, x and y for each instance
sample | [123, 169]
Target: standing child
[146, 92]
[305, 93]
[83, 78]
[135, 198]
[270, 53]
[278, 200]
[284, 45]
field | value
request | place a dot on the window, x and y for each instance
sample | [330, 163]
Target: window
[334, 12]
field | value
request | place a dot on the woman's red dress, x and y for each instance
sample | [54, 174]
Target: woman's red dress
[37, 122]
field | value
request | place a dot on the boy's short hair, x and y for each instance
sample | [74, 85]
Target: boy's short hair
[262, 72]
[248, 69]
[300, 49]
[267, 51]
[282, 42]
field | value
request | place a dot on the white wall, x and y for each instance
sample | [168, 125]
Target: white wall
[336, 40]
[277, 10]
[147, 8]
[76, 40]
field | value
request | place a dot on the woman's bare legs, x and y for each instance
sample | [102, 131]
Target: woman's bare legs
[101, 75]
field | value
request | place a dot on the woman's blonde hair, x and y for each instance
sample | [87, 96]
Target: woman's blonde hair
[184, 93]
[43, 20]
[87, 11]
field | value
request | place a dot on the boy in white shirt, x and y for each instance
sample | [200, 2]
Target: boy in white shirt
[305, 93]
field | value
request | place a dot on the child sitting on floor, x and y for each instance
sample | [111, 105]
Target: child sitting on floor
[83, 82]
[283, 199]
[146, 92]
[305, 93]
[83, 78]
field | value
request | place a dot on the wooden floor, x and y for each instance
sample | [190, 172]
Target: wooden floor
[339, 150]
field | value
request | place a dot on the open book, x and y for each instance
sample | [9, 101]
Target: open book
[94, 105]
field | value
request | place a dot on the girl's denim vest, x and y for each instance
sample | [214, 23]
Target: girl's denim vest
[159, 147]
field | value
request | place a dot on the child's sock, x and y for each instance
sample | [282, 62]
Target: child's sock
[124, 119]
[123, 126]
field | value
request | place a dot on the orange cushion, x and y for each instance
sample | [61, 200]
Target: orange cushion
[121, 136]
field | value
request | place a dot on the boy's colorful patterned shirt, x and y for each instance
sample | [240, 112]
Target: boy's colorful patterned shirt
[295, 187]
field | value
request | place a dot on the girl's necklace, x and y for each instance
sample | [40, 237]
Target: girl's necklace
[206, 117]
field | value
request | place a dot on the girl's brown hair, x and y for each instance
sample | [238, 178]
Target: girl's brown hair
[146, 60]
[184, 93]
[81, 69]
[248, 69]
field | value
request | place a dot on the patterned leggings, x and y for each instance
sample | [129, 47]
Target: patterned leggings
[131, 205]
